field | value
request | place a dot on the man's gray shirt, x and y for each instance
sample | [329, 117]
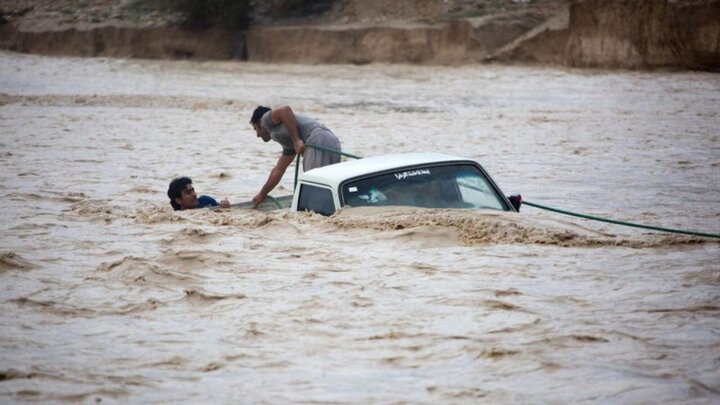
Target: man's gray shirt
[279, 133]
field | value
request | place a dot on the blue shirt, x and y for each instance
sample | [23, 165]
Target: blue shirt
[206, 201]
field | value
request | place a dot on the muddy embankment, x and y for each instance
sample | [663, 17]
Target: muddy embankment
[592, 33]
[125, 42]
[640, 34]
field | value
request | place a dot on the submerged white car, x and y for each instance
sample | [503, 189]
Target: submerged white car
[429, 180]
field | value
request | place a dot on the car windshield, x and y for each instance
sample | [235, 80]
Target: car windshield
[448, 186]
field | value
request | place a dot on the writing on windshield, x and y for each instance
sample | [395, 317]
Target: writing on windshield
[412, 173]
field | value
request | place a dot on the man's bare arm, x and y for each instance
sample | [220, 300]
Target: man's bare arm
[286, 116]
[276, 175]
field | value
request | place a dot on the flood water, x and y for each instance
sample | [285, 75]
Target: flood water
[107, 295]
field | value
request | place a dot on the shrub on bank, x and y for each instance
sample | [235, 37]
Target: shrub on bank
[204, 13]
[234, 14]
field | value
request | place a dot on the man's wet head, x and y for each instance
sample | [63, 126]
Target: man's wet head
[260, 131]
[182, 194]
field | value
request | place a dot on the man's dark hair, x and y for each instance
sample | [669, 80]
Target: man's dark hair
[258, 113]
[175, 190]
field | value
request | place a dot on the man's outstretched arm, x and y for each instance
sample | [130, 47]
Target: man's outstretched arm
[276, 175]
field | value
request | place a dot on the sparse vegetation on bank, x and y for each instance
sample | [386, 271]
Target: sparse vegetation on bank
[232, 14]
[229, 14]
[223, 13]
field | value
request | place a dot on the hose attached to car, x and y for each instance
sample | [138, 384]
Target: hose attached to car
[324, 149]
[539, 206]
[275, 201]
[616, 222]
[337, 152]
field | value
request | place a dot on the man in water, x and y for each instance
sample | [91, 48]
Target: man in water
[182, 196]
[292, 131]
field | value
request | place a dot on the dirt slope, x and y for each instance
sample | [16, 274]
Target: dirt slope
[581, 33]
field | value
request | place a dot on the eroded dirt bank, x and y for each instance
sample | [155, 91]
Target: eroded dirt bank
[641, 34]
[589, 33]
[126, 42]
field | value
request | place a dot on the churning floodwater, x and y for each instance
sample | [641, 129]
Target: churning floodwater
[108, 295]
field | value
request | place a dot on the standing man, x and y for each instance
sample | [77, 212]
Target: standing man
[291, 131]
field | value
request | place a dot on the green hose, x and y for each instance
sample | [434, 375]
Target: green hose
[297, 170]
[275, 201]
[322, 148]
[337, 152]
[612, 221]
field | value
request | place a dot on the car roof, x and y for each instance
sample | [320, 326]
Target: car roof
[333, 175]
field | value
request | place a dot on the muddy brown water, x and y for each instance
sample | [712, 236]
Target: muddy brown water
[108, 295]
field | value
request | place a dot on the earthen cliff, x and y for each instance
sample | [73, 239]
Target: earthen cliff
[626, 34]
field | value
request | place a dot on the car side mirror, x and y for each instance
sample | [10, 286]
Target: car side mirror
[516, 201]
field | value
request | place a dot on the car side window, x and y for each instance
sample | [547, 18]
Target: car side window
[476, 191]
[316, 199]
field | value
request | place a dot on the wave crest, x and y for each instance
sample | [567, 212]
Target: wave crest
[12, 261]
[486, 227]
[135, 270]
